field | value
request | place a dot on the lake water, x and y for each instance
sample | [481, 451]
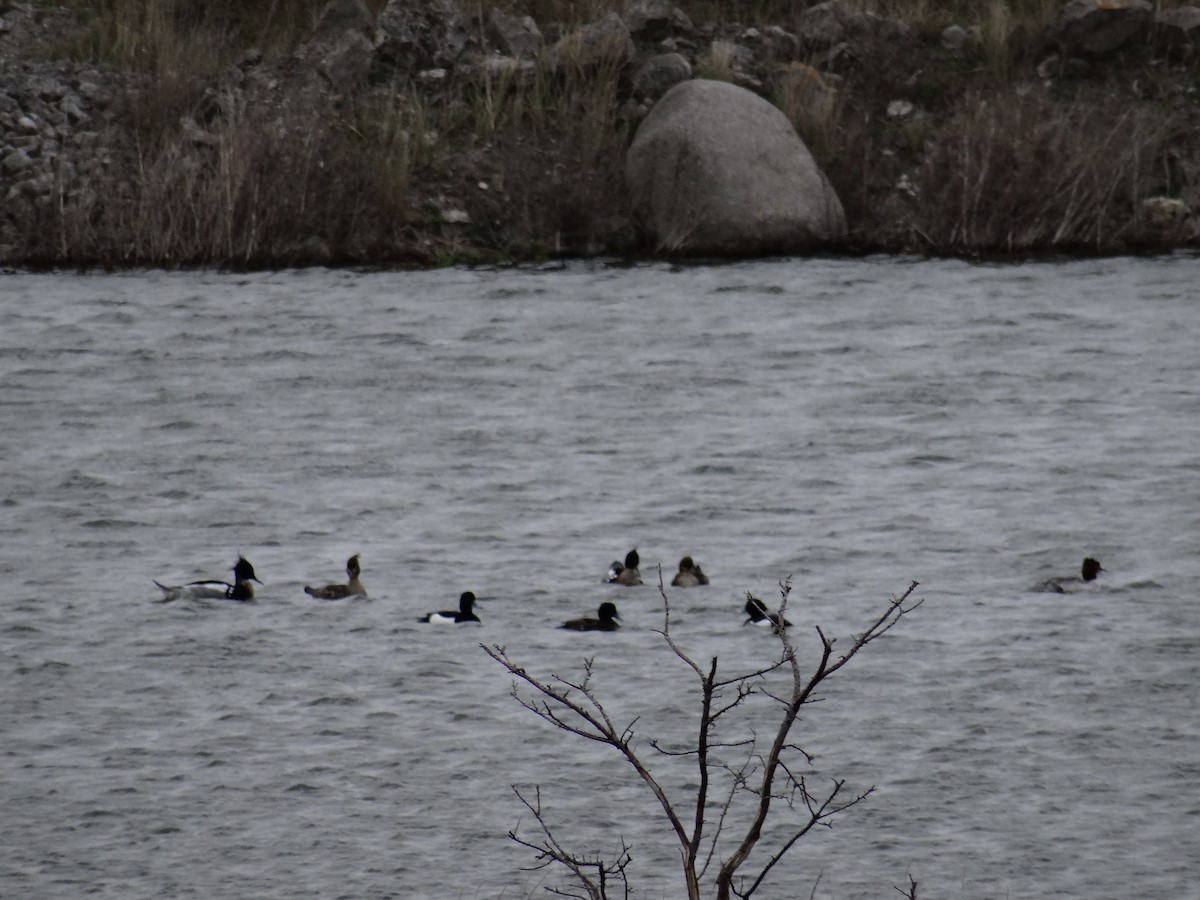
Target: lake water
[853, 424]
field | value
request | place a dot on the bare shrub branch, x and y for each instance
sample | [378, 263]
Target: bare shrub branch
[549, 850]
[766, 775]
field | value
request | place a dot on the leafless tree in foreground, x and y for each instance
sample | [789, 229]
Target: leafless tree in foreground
[770, 775]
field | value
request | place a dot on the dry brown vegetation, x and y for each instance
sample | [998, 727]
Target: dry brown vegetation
[994, 158]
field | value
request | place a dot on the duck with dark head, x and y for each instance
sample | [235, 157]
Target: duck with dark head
[628, 573]
[1088, 573]
[758, 614]
[689, 574]
[464, 614]
[241, 589]
[606, 621]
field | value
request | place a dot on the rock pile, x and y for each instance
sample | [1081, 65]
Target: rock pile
[54, 140]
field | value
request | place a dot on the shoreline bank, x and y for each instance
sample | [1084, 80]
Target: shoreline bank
[500, 139]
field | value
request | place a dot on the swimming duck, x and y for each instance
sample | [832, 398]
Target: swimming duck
[337, 591]
[607, 621]
[689, 574]
[241, 589]
[625, 574]
[757, 611]
[1088, 572]
[464, 613]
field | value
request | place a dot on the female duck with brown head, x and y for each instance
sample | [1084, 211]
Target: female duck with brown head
[354, 587]
[689, 574]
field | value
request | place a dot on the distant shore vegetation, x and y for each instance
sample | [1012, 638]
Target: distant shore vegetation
[992, 147]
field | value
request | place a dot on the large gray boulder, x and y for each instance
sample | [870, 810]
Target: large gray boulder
[716, 170]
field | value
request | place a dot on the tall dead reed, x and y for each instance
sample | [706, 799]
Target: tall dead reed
[1021, 172]
[302, 187]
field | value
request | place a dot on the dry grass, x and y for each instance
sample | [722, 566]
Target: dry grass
[197, 37]
[535, 164]
[1019, 173]
[279, 194]
[989, 161]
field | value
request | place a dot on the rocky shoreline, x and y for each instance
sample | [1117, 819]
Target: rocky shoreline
[102, 165]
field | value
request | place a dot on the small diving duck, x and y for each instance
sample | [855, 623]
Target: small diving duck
[607, 620]
[757, 611]
[689, 574]
[625, 574]
[338, 591]
[464, 613]
[241, 589]
[1090, 569]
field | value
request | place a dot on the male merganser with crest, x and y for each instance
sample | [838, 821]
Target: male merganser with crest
[241, 589]
[1088, 572]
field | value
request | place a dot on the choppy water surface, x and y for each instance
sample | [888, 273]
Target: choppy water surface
[854, 424]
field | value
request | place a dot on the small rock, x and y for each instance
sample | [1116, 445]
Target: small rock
[602, 44]
[70, 107]
[782, 45]
[650, 20]
[28, 125]
[432, 76]
[955, 38]
[737, 57]
[898, 109]
[659, 74]
[1100, 27]
[17, 161]
[512, 36]
[456, 217]
[681, 24]
[429, 34]
[1165, 211]
[90, 91]
[49, 89]
[348, 62]
[42, 185]
[340, 16]
[314, 248]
